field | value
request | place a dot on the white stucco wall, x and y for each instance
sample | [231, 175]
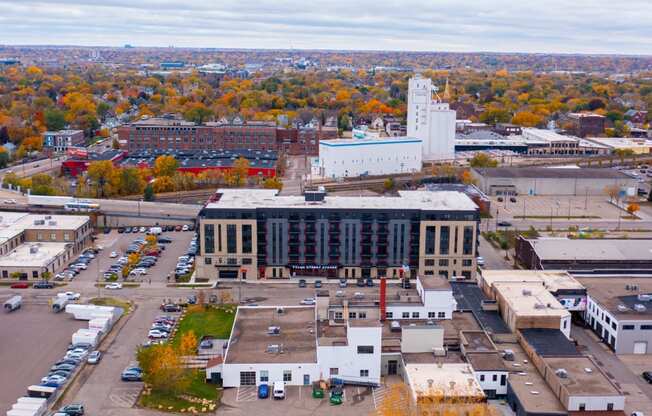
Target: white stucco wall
[489, 384]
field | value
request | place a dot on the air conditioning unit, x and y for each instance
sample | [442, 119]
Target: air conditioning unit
[274, 330]
[639, 308]
[561, 373]
[527, 292]
[539, 306]
[622, 308]
[280, 311]
[273, 348]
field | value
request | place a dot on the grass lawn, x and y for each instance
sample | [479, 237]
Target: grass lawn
[108, 301]
[215, 321]
[199, 396]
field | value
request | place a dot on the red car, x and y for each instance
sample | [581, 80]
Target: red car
[19, 286]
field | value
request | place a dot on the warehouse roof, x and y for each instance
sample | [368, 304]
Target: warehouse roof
[530, 299]
[551, 280]
[30, 255]
[265, 198]
[620, 295]
[549, 342]
[368, 140]
[583, 376]
[551, 173]
[590, 249]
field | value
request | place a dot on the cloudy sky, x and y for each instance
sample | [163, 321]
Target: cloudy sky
[565, 26]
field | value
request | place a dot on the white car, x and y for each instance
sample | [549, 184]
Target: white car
[142, 229]
[113, 286]
[480, 260]
[156, 334]
[308, 301]
[138, 271]
[80, 266]
[9, 201]
[123, 260]
[185, 227]
[54, 378]
[113, 254]
[69, 295]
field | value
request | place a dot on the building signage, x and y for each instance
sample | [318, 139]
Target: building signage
[313, 266]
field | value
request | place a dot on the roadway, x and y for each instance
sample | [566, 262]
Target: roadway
[32, 168]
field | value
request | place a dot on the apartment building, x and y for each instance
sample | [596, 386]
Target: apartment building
[60, 141]
[255, 233]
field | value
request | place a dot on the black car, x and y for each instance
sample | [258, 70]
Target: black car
[107, 230]
[43, 285]
[302, 282]
[121, 230]
[500, 199]
[171, 308]
[512, 199]
[359, 283]
[164, 240]
[369, 282]
[647, 376]
[504, 224]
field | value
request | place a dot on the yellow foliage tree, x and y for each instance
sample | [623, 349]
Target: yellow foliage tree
[188, 343]
[163, 184]
[163, 369]
[165, 166]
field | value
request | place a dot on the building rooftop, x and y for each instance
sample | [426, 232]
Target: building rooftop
[584, 377]
[552, 173]
[530, 299]
[367, 141]
[52, 222]
[33, 255]
[551, 280]
[434, 283]
[613, 294]
[476, 341]
[250, 341]
[546, 135]
[622, 142]
[469, 297]
[547, 342]
[486, 361]
[269, 198]
[591, 249]
[62, 132]
[450, 380]
[528, 385]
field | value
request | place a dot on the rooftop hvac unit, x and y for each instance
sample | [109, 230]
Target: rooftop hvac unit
[52, 222]
[561, 373]
[527, 292]
[395, 326]
[639, 308]
[539, 306]
[634, 287]
[280, 311]
[645, 297]
[33, 249]
[273, 349]
[508, 355]
[622, 308]
[274, 330]
[628, 287]
[588, 370]
[47, 217]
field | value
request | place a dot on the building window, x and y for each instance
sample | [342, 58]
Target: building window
[231, 242]
[406, 315]
[246, 238]
[66, 237]
[364, 373]
[209, 238]
[481, 377]
[430, 240]
[338, 315]
[53, 236]
[628, 327]
[362, 315]
[365, 349]
[264, 376]
[334, 371]
[494, 377]
[429, 262]
[610, 407]
[613, 325]
[287, 375]
[219, 238]
[415, 315]
[441, 314]
[431, 314]
[39, 236]
[444, 235]
[582, 407]
[352, 315]
[467, 263]
[443, 262]
[389, 315]
[467, 244]
[646, 327]
[503, 379]
[208, 260]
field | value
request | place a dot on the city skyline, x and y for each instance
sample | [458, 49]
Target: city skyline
[584, 27]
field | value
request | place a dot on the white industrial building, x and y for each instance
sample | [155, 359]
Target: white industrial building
[367, 154]
[430, 120]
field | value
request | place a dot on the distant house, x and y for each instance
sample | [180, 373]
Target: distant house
[636, 116]
[585, 124]
[60, 141]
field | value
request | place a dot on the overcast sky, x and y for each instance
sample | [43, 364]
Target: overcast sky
[565, 26]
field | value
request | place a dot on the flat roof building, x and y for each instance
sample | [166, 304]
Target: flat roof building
[256, 233]
[590, 255]
[443, 383]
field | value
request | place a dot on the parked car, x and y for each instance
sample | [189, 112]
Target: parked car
[75, 409]
[302, 282]
[339, 294]
[343, 283]
[177, 228]
[94, 357]
[164, 240]
[113, 254]
[113, 286]
[263, 391]
[142, 229]
[317, 284]
[308, 301]
[504, 224]
[359, 282]
[79, 265]
[499, 199]
[647, 376]
[19, 285]
[121, 230]
[157, 334]
[206, 344]
[171, 307]
[63, 366]
[43, 284]
[9, 202]
[185, 227]
[369, 282]
[480, 260]
[131, 374]
[512, 199]
[69, 295]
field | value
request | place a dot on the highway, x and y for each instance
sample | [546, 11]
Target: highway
[32, 168]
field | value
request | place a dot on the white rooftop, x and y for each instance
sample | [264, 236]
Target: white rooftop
[546, 135]
[13, 223]
[369, 140]
[32, 255]
[268, 198]
[449, 380]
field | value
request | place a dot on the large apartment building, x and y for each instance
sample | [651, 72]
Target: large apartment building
[175, 134]
[256, 234]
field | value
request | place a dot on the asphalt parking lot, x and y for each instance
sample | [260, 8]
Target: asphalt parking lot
[299, 401]
[33, 339]
[119, 243]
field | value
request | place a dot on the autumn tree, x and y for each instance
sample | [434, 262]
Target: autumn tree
[527, 119]
[42, 184]
[483, 160]
[197, 112]
[4, 157]
[633, 208]
[131, 182]
[466, 177]
[188, 343]
[54, 119]
[163, 184]
[163, 369]
[165, 165]
[240, 171]
[101, 174]
[29, 145]
[273, 183]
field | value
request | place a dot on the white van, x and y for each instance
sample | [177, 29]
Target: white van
[279, 390]
[155, 231]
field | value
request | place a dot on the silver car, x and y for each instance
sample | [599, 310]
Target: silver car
[94, 357]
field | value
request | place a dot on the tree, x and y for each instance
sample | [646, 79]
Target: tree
[613, 191]
[273, 183]
[152, 242]
[163, 369]
[101, 173]
[622, 153]
[148, 193]
[42, 184]
[29, 145]
[197, 113]
[165, 166]
[54, 119]
[46, 275]
[188, 343]
[389, 184]
[131, 183]
[466, 177]
[527, 119]
[483, 160]
[240, 171]
[163, 184]
[115, 144]
[4, 157]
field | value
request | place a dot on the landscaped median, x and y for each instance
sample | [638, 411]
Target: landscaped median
[109, 301]
[170, 385]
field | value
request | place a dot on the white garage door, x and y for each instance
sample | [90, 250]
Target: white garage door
[640, 347]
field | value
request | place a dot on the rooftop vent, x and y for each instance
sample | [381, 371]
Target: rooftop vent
[33, 249]
[639, 308]
[561, 373]
[280, 311]
[273, 349]
[539, 306]
[527, 292]
[274, 330]
[52, 222]
[588, 370]
[622, 308]
[508, 355]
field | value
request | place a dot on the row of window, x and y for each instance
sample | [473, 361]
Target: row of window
[416, 315]
[445, 262]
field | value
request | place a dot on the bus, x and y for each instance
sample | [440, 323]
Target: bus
[81, 206]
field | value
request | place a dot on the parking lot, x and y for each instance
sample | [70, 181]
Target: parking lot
[117, 242]
[299, 401]
[33, 339]
[557, 206]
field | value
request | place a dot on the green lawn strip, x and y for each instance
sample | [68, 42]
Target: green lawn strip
[197, 391]
[109, 301]
[547, 217]
[214, 321]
